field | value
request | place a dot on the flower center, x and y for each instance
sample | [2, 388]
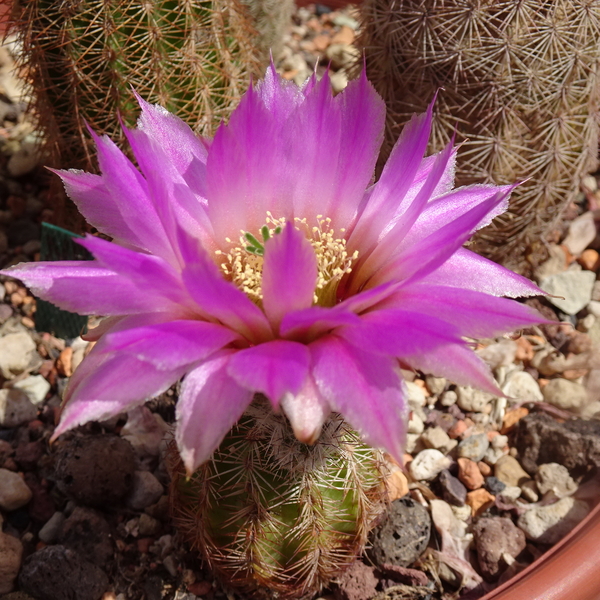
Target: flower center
[242, 264]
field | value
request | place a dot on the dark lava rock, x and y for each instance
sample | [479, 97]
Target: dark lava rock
[453, 491]
[41, 506]
[57, 573]
[495, 536]
[574, 444]
[494, 486]
[358, 582]
[88, 534]
[28, 455]
[403, 535]
[96, 470]
[17, 596]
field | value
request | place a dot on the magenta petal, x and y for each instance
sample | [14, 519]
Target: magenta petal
[110, 384]
[150, 274]
[458, 363]
[183, 147]
[170, 345]
[365, 389]
[399, 333]
[467, 270]
[388, 196]
[174, 200]
[130, 194]
[289, 274]
[210, 403]
[305, 325]
[274, 369]
[428, 254]
[98, 206]
[88, 288]
[307, 411]
[473, 313]
[454, 205]
[387, 246]
[221, 299]
[363, 119]
[246, 168]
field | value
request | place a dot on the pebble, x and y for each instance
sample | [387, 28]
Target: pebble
[437, 438]
[87, 533]
[494, 537]
[415, 394]
[501, 353]
[397, 484]
[17, 351]
[148, 526]
[356, 583]
[511, 418]
[469, 473]
[35, 386]
[453, 491]
[565, 394]
[57, 573]
[521, 386]
[499, 442]
[581, 234]
[570, 291]
[436, 385]
[510, 493]
[11, 552]
[549, 524]
[450, 397]
[427, 464]
[593, 308]
[145, 490]
[587, 322]
[474, 447]
[463, 513]
[508, 470]
[415, 424]
[457, 429]
[554, 477]
[339, 81]
[15, 408]
[484, 468]
[145, 431]
[494, 486]
[557, 263]
[471, 399]
[95, 470]
[14, 492]
[50, 531]
[403, 536]
[529, 491]
[479, 500]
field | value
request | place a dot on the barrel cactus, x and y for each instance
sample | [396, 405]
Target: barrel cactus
[520, 79]
[84, 58]
[269, 512]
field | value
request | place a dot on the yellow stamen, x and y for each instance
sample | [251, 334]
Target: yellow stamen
[244, 267]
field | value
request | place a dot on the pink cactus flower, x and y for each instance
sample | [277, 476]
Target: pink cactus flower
[266, 260]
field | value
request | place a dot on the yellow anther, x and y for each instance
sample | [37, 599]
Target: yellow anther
[244, 268]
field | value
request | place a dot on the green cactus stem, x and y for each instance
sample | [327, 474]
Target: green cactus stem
[272, 515]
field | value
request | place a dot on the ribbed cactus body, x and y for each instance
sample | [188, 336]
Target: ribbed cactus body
[519, 79]
[83, 57]
[271, 19]
[270, 514]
